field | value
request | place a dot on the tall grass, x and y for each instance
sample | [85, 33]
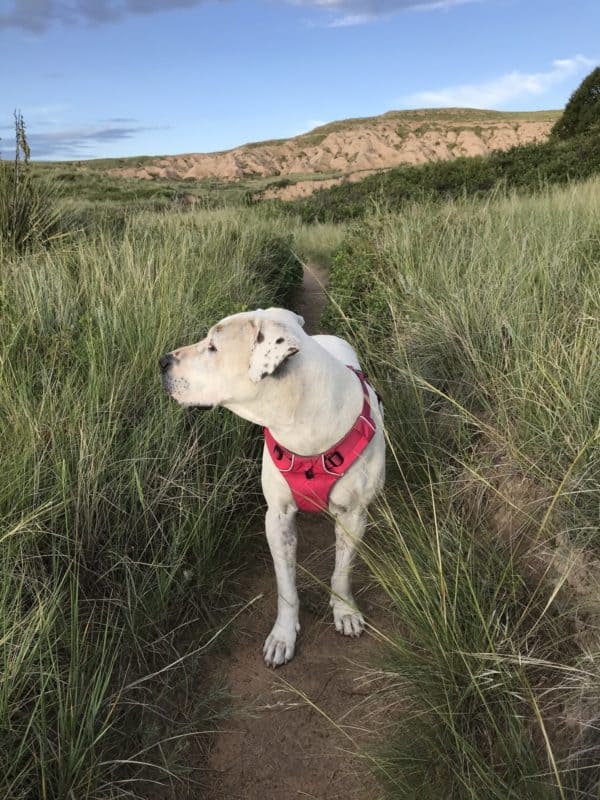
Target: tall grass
[316, 244]
[480, 324]
[121, 515]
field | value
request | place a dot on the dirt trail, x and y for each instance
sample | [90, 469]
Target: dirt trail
[278, 744]
[312, 300]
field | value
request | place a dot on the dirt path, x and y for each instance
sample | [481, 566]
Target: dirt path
[295, 732]
[312, 300]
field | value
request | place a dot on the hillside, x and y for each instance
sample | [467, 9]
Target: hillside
[351, 149]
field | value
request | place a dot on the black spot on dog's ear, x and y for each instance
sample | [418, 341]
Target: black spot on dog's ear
[279, 341]
[260, 337]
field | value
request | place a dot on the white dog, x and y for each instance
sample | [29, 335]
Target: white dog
[262, 366]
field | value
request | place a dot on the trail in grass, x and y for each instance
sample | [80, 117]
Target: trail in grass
[295, 732]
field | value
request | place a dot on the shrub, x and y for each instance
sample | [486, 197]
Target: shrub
[527, 167]
[582, 112]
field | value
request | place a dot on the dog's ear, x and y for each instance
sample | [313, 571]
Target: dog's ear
[273, 344]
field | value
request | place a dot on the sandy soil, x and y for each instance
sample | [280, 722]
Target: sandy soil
[297, 732]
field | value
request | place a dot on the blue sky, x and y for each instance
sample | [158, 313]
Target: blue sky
[98, 78]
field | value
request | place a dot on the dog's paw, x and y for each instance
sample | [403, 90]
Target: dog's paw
[348, 620]
[280, 644]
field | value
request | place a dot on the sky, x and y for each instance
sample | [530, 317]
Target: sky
[107, 78]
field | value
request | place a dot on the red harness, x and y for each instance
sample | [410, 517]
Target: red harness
[311, 478]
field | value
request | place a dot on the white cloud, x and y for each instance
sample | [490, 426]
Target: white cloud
[308, 126]
[351, 19]
[505, 89]
[314, 123]
[347, 13]
[82, 142]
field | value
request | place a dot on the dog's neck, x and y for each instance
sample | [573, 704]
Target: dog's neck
[310, 406]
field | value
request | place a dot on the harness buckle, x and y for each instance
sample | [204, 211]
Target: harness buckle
[335, 459]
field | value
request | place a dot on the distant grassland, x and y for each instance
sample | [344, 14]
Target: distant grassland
[121, 515]
[86, 185]
[439, 115]
[84, 189]
[88, 182]
[479, 322]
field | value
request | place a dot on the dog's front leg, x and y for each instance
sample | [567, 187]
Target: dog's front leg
[281, 535]
[349, 530]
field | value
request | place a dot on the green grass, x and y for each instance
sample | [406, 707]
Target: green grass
[29, 211]
[316, 244]
[89, 187]
[86, 190]
[479, 322]
[121, 515]
[438, 115]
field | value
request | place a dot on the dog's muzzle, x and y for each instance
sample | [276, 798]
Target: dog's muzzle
[166, 361]
[170, 385]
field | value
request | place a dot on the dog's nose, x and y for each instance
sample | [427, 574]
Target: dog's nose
[165, 361]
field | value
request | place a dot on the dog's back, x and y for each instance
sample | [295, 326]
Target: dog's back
[338, 348]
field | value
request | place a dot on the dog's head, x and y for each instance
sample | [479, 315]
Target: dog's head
[237, 354]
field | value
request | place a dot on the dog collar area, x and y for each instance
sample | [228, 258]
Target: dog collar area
[311, 478]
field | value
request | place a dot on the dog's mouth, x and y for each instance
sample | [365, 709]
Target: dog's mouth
[178, 386]
[174, 386]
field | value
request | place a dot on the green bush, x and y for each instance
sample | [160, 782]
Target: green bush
[528, 168]
[582, 112]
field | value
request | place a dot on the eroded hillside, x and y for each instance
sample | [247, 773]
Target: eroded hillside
[351, 149]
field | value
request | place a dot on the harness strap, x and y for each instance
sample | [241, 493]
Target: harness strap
[311, 478]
